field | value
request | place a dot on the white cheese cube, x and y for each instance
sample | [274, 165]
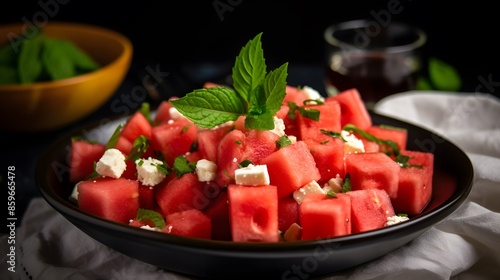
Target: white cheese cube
[174, 114]
[74, 193]
[353, 144]
[312, 93]
[147, 171]
[395, 220]
[205, 170]
[279, 127]
[334, 184]
[292, 138]
[252, 175]
[111, 164]
[311, 187]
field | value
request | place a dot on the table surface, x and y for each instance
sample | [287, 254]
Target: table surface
[23, 149]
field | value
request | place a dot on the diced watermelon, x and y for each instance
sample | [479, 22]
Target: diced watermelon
[208, 142]
[353, 109]
[288, 213]
[259, 144]
[82, 156]
[124, 145]
[136, 126]
[190, 223]
[253, 213]
[325, 217]
[370, 209]
[146, 197]
[295, 95]
[329, 158]
[373, 171]
[109, 198]
[181, 193]
[138, 223]
[173, 139]
[163, 112]
[415, 184]
[397, 135]
[329, 120]
[290, 125]
[231, 152]
[218, 212]
[291, 167]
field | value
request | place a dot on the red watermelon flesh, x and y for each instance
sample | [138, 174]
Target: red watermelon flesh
[295, 95]
[397, 135]
[82, 156]
[259, 144]
[231, 152]
[136, 126]
[189, 223]
[291, 167]
[373, 171]
[109, 198]
[329, 120]
[181, 193]
[353, 109]
[329, 158]
[325, 217]
[218, 212]
[288, 213]
[173, 139]
[253, 212]
[146, 197]
[370, 209]
[163, 112]
[208, 142]
[415, 184]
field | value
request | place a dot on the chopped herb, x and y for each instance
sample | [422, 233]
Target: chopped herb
[150, 215]
[346, 186]
[333, 134]
[245, 163]
[237, 142]
[114, 137]
[139, 146]
[146, 112]
[283, 142]
[402, 215]
[309, 113]
[402, 160]
[185, 128]
[183, 166]
[141, 162]
[324, 142]
[163, 168]
[331, 193]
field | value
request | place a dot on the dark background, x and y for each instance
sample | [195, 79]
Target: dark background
[173, 33]
[196, 41]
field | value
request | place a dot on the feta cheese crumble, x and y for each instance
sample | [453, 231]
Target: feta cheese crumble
[353, 144]
[111, 164]
[334, 184]
[312, 93]
[252, 175]
[392, 220]
[147, 171]
[205, 170]
[311, 187]
[279, 126]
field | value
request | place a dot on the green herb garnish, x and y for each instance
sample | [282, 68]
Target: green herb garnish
[346, 186]
[245, 163]
[114, 137]
[257, 94]
[183, 166]
[333, 134]
[144, 215]
[139, 146]
[309, 113]
[283, 142]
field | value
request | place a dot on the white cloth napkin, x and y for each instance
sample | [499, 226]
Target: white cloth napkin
[465, 245]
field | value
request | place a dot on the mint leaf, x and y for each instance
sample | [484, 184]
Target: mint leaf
[208, 107]
[249, 69]
[151, 215]
[114, 137]
[262, 121]
[275, 88]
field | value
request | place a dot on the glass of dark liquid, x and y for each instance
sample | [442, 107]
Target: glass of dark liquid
[376, 59]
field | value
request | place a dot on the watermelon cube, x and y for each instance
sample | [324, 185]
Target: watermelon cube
[173, 139]
[397, 135]
[288, 213]
[231, 151]
[291, 167]
[353, 109]
[218, 212]
[109, 198]
[189, 223]
[415, 184]
[253, 213]
[329, 119]
[208, 142]
[137, 125]
[181, 193]
[82, 156]
[325, 217]
[329, 158]
[370, 209]
[373, 171]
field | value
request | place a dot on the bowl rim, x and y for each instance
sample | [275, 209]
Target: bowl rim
[125, 55]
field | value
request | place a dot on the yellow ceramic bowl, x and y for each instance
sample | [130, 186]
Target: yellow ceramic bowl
[45, 106]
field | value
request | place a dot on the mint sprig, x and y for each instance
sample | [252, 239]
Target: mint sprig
[257, 94]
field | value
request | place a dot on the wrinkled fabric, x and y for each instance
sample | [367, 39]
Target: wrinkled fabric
[464, 245]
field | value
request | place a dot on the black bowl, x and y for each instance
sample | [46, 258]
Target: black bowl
[202, 258]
